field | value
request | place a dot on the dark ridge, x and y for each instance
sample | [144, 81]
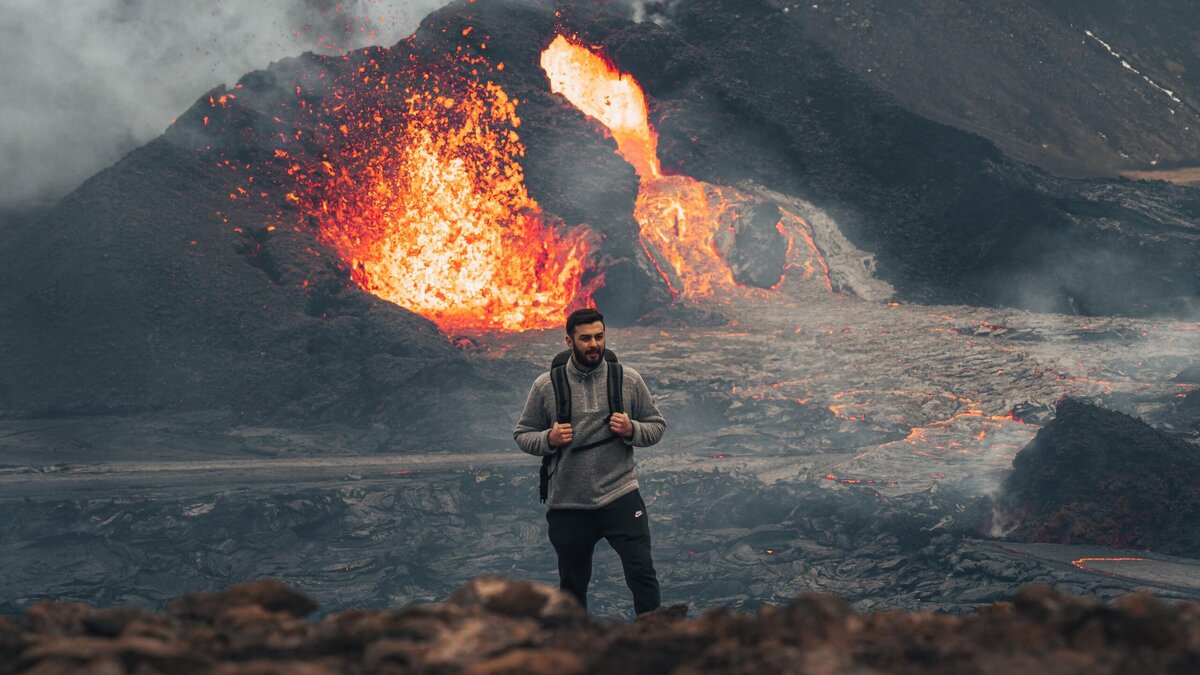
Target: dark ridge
[740, 94]
[1026, 75]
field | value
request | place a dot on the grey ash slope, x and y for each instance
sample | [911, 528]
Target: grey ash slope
[740, 93]
[1084, 87]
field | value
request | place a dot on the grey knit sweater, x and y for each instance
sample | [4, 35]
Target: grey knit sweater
[594, 477]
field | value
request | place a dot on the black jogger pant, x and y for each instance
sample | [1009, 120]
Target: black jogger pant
[625, 524]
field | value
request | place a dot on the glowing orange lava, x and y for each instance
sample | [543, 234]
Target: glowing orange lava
[427, 204]
[678, 216]
[606, 94]
[1080, 563]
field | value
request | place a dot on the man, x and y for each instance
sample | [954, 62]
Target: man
[593, 492]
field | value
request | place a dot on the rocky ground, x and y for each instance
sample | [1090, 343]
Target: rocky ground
[815, 442]
[492, 625]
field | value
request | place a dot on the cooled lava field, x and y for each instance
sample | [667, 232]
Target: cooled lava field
[290, 338]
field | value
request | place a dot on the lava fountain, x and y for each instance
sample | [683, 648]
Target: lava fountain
[601, 91]
[425, 201]
[679, 217]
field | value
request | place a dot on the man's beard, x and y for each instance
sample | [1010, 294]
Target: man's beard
[582, 358]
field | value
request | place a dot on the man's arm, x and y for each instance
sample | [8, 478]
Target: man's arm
[533, 429]
[648, 422]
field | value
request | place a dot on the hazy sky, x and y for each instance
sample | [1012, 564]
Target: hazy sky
[86, 81]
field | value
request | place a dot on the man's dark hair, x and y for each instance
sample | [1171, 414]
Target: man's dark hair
[581, 316]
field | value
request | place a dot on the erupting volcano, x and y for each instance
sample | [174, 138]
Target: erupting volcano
[431, 211]
[418, 185]
[421, 193]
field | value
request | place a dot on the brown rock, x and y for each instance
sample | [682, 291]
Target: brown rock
[252, 630]
[154, 654]
[111, 622]
[55, 618]
[155, 626]
[477, 638]
[282, 667]
[549, 661]
[433, 637]
[355, 630]
[667, 614]
[392, 652]
[11, 642]
[518, 598]
[814, 617]
[1041, 630]
[1141, 605]
[1044, 604]
[653, 649]
[58, 666]
[269, 594]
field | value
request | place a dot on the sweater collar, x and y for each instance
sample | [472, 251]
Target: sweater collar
[586, 375]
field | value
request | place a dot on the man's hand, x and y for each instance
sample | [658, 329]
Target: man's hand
[561, 435]
[621, 425]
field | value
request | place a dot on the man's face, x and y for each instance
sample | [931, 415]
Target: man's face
[587, 342]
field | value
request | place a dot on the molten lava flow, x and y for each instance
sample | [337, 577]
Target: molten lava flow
[678, 216]
[427, 204]
[1081, 564]
[606, 94]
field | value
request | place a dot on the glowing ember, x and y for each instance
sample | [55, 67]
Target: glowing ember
[427, 204]
[858, 481]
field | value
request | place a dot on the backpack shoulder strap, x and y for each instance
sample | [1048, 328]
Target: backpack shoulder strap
[562, 394]
[562, 413]
[616, 381]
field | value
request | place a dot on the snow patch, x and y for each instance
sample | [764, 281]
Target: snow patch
[1125, 64]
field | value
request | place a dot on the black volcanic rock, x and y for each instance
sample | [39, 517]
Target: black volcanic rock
[1191, 374]
[1095, 476]
[752, 246]
[738, 93]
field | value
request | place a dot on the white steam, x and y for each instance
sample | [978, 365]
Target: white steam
[657, 11]
[86, 81]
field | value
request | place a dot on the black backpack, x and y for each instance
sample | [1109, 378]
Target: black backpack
[562, 406]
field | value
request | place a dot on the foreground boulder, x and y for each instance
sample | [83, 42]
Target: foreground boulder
[494, 625]
[1095, 476]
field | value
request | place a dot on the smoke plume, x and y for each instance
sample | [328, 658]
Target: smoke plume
[86, 82]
